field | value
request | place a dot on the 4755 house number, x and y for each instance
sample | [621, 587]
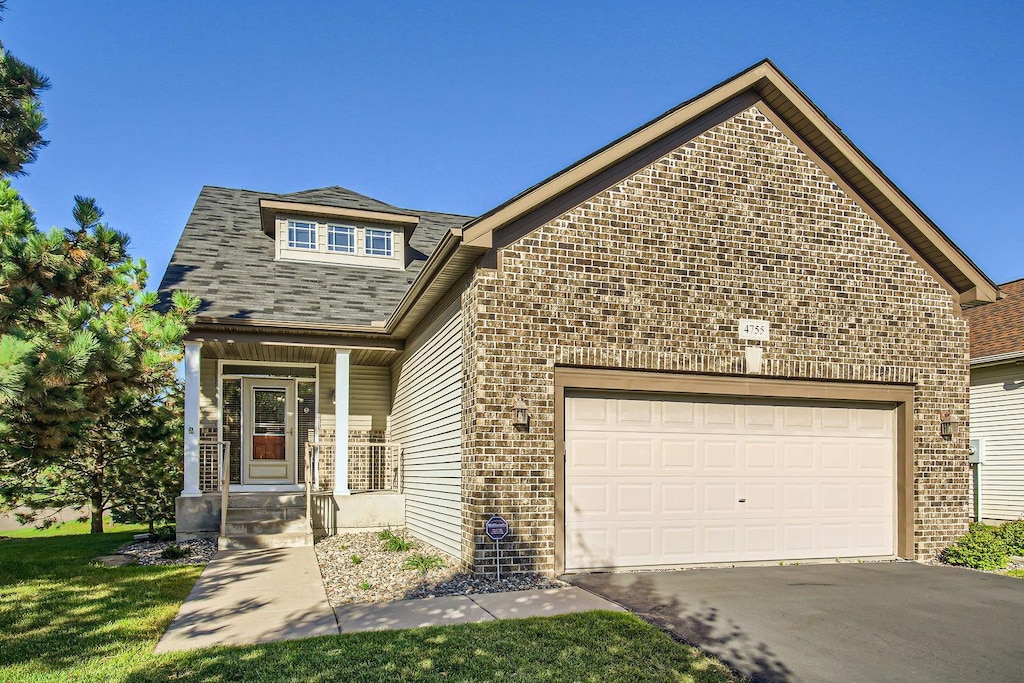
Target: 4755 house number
[757, 330]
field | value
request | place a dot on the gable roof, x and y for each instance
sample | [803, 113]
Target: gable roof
[997, 329]
[789, 108]
[226, 259]
[453, 244]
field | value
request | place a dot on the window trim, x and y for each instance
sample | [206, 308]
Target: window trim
[371, 233]
[310, 226]
[351, 230]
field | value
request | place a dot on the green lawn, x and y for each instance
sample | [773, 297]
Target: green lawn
[65, 619]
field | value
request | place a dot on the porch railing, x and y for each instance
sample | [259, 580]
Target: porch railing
[213, 463]
[373, 462]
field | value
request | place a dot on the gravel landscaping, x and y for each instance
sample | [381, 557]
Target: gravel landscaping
[357, 568]
[196, 551]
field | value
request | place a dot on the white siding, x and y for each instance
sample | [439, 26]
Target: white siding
[997, 415]
[426, 420]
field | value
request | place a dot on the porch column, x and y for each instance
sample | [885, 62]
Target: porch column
[341, 380]
[192, 419]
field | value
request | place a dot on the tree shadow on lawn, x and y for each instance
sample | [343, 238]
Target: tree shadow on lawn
[58, 610]
[592, 646]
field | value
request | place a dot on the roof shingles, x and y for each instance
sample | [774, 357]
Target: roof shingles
[998, 328]
[225, 258]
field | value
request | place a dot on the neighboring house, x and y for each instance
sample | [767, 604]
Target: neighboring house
[724, 337]
[997, 404]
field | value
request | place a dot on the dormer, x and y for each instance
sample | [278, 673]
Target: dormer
[331, 234]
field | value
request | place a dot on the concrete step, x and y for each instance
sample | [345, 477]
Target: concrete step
[257, 541]
[266, 500]
[283, 514]
[262, 527]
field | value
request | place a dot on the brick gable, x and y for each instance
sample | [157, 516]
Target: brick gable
[652, 274]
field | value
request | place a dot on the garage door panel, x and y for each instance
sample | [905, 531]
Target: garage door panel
[719, 456]
[591, 454]
[634, 454]
[760, 456]
[678, 456]
[589, 499]
[677, 415]
[662, 483]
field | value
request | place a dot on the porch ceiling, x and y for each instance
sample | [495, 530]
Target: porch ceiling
[279, 353]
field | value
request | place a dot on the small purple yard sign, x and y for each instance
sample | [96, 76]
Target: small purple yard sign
[496, 528]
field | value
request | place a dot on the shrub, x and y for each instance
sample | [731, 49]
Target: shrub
[163, 533]
[423, 563]
[979, 548]
[394, 542]
[173, 552]
[397, 544]
[1012, 534]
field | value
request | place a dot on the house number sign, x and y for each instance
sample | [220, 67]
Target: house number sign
[757, 330]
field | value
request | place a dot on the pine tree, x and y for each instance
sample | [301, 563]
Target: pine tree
[82, 347]
[21, 113]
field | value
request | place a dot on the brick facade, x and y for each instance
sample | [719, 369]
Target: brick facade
[652, 274]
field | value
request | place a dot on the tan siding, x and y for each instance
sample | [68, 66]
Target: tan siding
[208, 392]
[997, 415]
[427, 421]
[369, 397]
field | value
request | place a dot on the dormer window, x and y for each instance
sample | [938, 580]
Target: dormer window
[341, 239]
[339, 235]
[378, 242]
[302, 235]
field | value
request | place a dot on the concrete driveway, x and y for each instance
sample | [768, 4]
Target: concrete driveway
[897, 621]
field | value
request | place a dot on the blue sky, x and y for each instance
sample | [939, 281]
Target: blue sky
[457, 106]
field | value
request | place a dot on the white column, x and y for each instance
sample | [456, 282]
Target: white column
[192, 419]
[341, 380]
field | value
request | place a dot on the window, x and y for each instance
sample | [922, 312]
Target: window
[378, 242]
[341, 239]
[301, 235]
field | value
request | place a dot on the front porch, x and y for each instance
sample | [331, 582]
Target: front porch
[261, 457]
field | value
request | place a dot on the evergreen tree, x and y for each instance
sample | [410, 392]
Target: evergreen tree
[21, 113]
[83, 353]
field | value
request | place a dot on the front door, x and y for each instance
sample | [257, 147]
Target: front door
[268, 446]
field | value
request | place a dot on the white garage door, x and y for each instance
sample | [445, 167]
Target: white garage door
[677, 481]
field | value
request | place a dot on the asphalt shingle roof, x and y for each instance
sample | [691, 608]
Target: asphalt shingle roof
[225, 258]
[998, 327]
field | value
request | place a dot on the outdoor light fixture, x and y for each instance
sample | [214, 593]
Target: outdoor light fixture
[946, 425]
[520, 415]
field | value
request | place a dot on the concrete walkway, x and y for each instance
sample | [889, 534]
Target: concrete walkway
[253, 596]
[464, 609]
[259, 596]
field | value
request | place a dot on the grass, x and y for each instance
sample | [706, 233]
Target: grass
[1016, 573]
[64, 618]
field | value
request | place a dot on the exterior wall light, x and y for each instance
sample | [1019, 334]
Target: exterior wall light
[520, 414]
[947, 427]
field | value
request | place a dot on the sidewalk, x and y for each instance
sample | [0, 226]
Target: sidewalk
[260, 596]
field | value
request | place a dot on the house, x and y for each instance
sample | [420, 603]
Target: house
[724, 337]
[997, 405]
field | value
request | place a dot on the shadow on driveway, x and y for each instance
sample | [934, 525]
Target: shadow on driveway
[892, 621]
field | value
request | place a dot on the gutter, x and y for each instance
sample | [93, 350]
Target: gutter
[445, 248]
[998, 358]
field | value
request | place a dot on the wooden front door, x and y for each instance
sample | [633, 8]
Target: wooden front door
[268, 446]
